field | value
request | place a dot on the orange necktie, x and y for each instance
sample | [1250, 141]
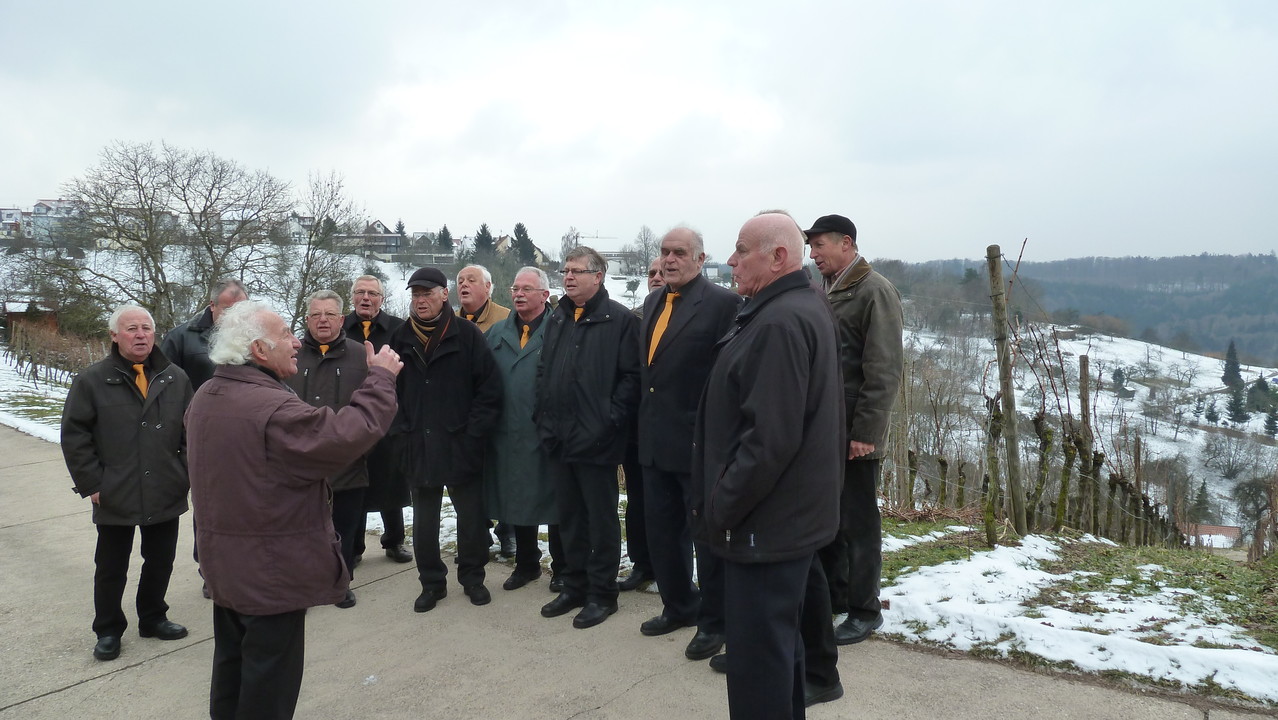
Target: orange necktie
[576, 314]
[140, 369]
[523, 337]
[368, 324]
[662, 322]
[323, 349]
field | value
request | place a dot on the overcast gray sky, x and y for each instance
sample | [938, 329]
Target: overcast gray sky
[1088, 127]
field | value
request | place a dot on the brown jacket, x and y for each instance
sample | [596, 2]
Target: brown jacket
[257, 457]
[868, 319]
[491, 315]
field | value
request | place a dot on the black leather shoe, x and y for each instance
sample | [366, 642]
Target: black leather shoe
[399, 554]
[593, 614]
[637, 579]
[719, 663]
[108, 647]
[815, 694]
[703, 645]
[427, 600]
[163, 630]
[348, 601]
[519, 579]
[562, 605]
[478, 595]
[508, 547]
[663, 624]
[854, 630]
[556, 584]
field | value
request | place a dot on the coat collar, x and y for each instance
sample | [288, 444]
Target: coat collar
[852, 275]
[786, 283]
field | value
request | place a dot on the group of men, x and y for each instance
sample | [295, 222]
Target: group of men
[755, 482]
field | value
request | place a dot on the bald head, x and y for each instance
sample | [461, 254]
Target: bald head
[769, 245]
[778, 230]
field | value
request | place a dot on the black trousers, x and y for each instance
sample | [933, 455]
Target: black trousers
[667, 499]
[637, 543]
[820, 652]
[348, 516]
[393, 532]
[472, 534]
[854, 562]
[111, 574]
[589, 528]
[528, 552]
[257, 664]
[763, 604]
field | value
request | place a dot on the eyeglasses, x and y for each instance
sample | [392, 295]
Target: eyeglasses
[568, 271]
[525, 290]
[369, 293]
[654, 273]
[322, 316]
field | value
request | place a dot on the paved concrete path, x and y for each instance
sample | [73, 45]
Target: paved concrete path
[382, 660]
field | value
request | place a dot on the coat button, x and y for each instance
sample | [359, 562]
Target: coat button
[652, 390]
[143, 423]
[159, 426]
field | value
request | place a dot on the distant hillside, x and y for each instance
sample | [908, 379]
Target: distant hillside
[1197, 303]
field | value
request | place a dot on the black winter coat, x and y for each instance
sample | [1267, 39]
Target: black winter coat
[448, 405]
[129, 449]
[328, 380]
[588, 382]
[769, 441]
[187, 346]
[387, 490]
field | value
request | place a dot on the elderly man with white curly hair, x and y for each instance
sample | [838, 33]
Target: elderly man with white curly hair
[258, 458]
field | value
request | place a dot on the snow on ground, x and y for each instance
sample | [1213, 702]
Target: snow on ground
[979, 604]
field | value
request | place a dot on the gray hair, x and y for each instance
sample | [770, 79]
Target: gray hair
[114, 322]
[488, 277]
[226, 284]
[235, 332]
[325, 295]
[369, 278]
[698, 242]
[542, 279]
[594, 261]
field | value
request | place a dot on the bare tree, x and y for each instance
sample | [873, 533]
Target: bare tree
[568, 241]
[325, 212]
[645, 248]
[178, 220]
[228, 212]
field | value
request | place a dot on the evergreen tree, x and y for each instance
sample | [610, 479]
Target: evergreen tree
[399, 228]
[1233, 372]
[524, 246]
[1271, 423]
[484, 243]
[1201, 511]
[445, 240]
[1198, 408]
[1237, 407]
[1120, 378]
[1259, 396]
[1213, 415]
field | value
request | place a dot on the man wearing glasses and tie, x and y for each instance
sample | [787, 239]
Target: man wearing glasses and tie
[387, 491]
[587, 393]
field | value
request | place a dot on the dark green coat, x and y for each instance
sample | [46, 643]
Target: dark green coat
[516, 487]
[129, 449]
[868, 320]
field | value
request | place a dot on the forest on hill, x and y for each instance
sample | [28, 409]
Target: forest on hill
[1197, 303]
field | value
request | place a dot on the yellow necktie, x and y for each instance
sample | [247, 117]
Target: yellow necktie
[368, 324]
[523, 337]
[576, 314]
[140, 369]
[662, 322]
[323, 349]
